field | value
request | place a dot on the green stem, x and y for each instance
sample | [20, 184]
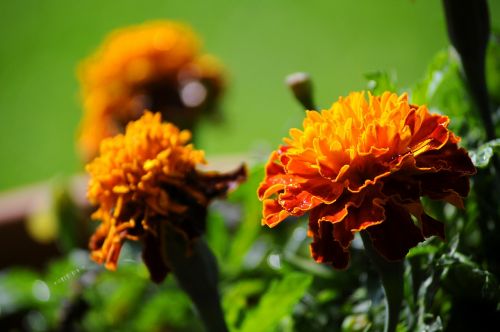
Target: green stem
[195, 269]
[468, 24]
[391, 276]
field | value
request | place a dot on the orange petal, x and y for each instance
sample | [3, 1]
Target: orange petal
[307, 195]
[275, 175]
[431, 135]
[273, 213]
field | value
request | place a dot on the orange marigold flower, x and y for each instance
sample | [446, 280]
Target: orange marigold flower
[145, 178]
[156, 66]
[364, 165]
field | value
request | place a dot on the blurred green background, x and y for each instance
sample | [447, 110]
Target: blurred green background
[260, 42]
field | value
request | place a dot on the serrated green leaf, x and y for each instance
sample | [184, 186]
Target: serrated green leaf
[277, 303]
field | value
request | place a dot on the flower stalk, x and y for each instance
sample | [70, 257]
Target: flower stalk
[391, 275]
[468, 26]
[195, 269]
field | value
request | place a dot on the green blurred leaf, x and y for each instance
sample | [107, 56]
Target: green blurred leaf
[124, 299]
[379, 82]
[114, 297]
[327, 295]
[356, 323]
[493, 67]
[238, 297]
[277, 303]
[17, 290]
[166, 308]
[443, 90]
[250, 224]
[422, 250]
[217, 234]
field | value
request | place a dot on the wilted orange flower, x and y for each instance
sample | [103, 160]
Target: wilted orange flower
[156, 66]
[145, 178]
[364, 165]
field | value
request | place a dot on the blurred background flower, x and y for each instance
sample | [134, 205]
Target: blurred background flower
[156, 66]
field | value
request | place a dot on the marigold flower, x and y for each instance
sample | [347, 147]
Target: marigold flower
[364, 165]
[145, 178]
[156, 66]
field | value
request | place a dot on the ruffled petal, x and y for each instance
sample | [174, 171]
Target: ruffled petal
[273, 213]
[429, 131]
[396, 235]
[307, 195]
[324, 248]
[369, 213]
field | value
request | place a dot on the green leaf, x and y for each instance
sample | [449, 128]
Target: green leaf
[166, 308]
[114, 297]
[463, 278]
[125, 298]
[443, 90]
[481, 156]
[379, 82]
[17, 290]
[217, 234]
[237, 298]
[420, 250]
[493, 67]
[277, 303]
[356, 323]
